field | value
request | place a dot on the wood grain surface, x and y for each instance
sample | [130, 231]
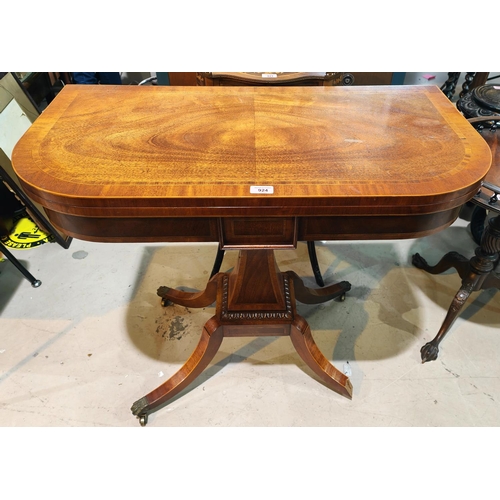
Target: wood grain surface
[130, 151]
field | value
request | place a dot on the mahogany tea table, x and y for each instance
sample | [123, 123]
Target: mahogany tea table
[255, 169]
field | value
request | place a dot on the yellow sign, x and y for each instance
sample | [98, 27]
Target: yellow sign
[26, 234]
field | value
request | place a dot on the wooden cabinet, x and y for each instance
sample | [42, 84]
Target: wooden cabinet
[188, 79]
[284, 78]
[373, 78]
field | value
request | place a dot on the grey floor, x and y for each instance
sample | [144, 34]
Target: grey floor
[79, 350]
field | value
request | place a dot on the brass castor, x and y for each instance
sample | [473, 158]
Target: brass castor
[143, 419]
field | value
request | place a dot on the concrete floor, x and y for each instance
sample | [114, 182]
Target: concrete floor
[79, 350]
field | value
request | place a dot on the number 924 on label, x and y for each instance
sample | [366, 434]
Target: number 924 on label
[261, 189]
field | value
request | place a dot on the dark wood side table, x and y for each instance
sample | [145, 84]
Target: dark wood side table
[472, 80]
[482, 107]
[255, 169]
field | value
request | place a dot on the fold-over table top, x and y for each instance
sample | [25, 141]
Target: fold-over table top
[209, 150]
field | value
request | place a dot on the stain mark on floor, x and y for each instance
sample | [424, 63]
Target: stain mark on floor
[176, 328]
[81, 254]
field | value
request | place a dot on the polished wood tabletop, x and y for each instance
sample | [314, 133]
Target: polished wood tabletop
[129, 152]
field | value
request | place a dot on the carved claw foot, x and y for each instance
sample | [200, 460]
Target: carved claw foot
[429, 352]
[418, 261]
[451, 259]
[139, 409]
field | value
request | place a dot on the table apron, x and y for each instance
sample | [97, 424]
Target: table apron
[252, 232]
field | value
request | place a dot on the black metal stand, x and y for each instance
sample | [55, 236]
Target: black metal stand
[34, 282]
[38, 218]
